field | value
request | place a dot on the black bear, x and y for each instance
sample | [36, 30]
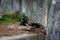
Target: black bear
[35, 25]
[24, 22]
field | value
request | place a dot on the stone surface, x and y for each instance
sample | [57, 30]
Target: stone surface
[11, 27]
[17, 37]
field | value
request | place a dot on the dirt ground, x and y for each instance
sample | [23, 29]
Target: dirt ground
[4, 31]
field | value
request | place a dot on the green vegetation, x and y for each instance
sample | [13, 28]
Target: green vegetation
[24, 17]
[12, 18]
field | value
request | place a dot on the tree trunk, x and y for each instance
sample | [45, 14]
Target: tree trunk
[20, 5]
[53, 23]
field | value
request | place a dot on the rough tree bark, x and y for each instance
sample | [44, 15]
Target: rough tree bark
[53, 22]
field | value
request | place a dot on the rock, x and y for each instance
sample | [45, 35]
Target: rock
[24, 28]
[10, 27]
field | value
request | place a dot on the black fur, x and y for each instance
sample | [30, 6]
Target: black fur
[35, 25]
[24, 22]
